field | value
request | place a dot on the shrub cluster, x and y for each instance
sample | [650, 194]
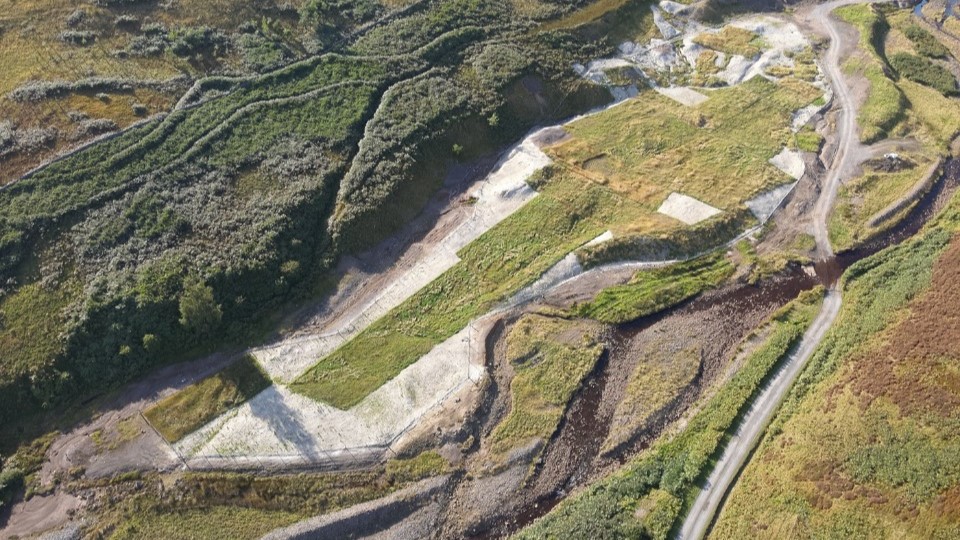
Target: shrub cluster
[180, 233]
[923, 71]
[925, 43]
[35, 91]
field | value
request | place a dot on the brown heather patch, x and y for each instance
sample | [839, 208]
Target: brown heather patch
[947, 504]
[910, 369]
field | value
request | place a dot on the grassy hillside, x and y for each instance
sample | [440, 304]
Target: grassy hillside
[908, 98]
[885, 381]
[576, 204]
[182, 233]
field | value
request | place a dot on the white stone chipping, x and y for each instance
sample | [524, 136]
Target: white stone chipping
[666, 29]
[764, 205]
[683, 95]
[282, 425]
[790, 162]
[687, 209]
[674, 8]
[504, 192]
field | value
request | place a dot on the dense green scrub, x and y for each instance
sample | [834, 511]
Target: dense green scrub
[645, 498]
[178, 235]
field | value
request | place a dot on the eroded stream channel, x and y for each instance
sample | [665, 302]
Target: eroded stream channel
[716, 322]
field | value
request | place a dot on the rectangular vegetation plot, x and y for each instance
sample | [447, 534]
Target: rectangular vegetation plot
[568, 213]
[716, 152]
[194, 406]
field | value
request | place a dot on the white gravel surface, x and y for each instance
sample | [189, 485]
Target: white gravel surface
[683, 95]
[687, 209]
[790, 162]
[666, 29]
[764, 205]
[280, 426]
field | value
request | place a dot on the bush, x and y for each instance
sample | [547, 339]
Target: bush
[78, 37]
[925, 43]
[925, 72]
[11, 481]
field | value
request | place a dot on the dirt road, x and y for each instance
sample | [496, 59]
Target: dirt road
[848, 155]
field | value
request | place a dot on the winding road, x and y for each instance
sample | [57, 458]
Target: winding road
[848, 154]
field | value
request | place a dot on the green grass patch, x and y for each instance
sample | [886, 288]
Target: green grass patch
[861, 198]
[568, 213]
[628, 503]
[548, 372]
[885, 106]
[717, 152]
[191, 408]
[731, 40]
[655, 290]
[807, 140]
[923, 71]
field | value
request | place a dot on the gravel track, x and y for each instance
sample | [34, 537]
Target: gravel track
[848, 155]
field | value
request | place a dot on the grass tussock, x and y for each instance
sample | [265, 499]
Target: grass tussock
[189, 409]
[731, 40]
